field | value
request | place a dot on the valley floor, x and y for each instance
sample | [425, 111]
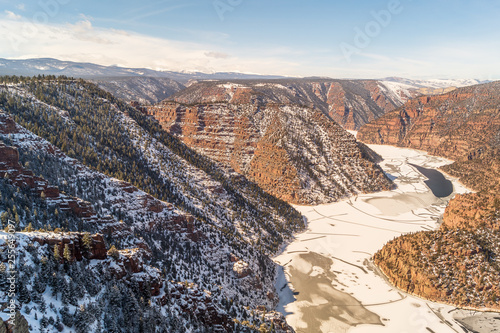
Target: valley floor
[335, 286]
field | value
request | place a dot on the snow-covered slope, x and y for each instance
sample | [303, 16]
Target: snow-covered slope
[272, 133]
[49, 66]
[187, 266]
[407, 88]
[145, 90]
[433, 83]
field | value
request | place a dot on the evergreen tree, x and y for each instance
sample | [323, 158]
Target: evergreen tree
[87, 241]
[57, 256]
[113, 252]
[66, 316]
[67, 253]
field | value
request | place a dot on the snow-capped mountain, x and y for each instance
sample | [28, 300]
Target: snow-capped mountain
[49, 66]
[412, 88]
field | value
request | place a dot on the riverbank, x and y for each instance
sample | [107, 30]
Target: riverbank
[457, 306]
[328, 266]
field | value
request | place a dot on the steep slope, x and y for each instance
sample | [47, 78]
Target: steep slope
[451, 125]
[457, 264]
[145, 90]
[294, 152]
[213, 238]
[448, 266]
[463, 125]
[430, 87]
[112, 137]
[352, 103]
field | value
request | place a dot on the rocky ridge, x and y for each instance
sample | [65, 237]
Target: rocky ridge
[456, 264]
[158, 245]
[295, 153]
[145, 90]
[454, 125]
[351, 103]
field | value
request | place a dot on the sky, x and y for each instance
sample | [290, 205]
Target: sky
[418, 39]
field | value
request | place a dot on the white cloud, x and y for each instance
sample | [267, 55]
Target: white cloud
[217, 55]
[159, 11]
[21, 6]
[12, 15]
[83, 30]
[82, 41]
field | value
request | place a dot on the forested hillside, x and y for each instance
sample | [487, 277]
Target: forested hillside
[83, 176]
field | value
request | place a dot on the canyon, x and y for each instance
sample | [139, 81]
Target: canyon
[462, 125]
[175, 208]
[282, 135]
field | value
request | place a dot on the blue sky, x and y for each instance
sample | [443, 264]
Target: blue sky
[348, 38]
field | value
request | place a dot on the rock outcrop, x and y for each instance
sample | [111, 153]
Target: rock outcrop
[456, 125]
[280, 134]
[21, 177]
[74, 241]
[457, 264]
[296, 153]
[352, 103]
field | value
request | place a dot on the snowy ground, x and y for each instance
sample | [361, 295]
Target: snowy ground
[334, 286]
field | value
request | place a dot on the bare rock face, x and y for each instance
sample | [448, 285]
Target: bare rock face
[451, 125]
[296, 153]
[241, 269]
[7, 124]
[74, 241]
[351, 103]
[456, 264]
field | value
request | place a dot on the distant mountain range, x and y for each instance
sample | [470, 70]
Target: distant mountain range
[49, 66]
[427, 87]
[131, 84]
[152, 86]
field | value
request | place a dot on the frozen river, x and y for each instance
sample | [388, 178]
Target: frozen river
[329, 284]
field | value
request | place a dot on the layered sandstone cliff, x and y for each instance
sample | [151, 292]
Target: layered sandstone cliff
[458, 263]
[296, 153]
[457, 125]
[351, 103]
